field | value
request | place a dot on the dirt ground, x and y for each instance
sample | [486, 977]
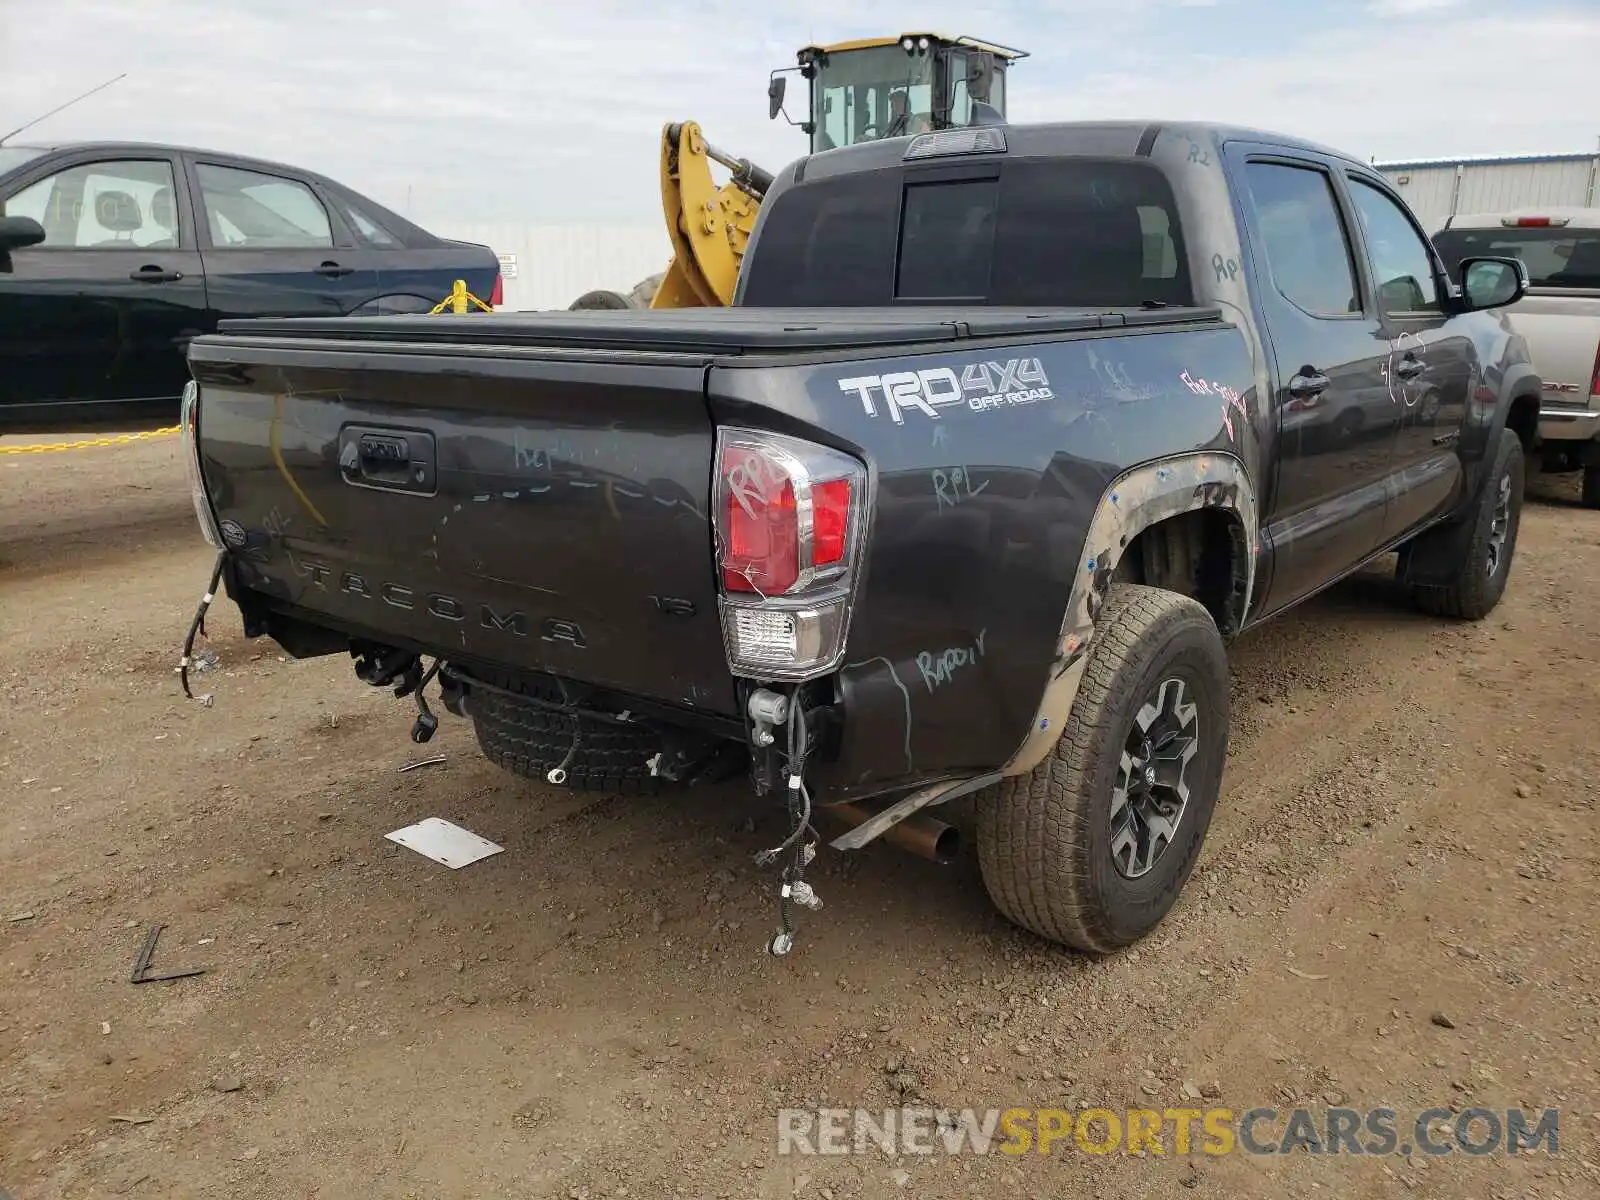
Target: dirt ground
[1408, 829]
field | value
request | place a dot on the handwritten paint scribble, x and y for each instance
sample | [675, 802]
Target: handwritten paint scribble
[955, 487]
[1230, 397]
[938, 668]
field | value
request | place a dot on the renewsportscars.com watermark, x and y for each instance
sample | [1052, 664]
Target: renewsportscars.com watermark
[1476, 1132]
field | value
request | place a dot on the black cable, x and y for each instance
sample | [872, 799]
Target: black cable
[472, 682]
[577, 728]
[197, 626]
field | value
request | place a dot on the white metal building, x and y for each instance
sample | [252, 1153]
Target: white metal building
[550, 266]
[1438, 188]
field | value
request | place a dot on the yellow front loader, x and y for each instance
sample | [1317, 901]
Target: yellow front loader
[858, 91]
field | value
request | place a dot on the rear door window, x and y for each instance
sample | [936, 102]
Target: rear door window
[254, 211]
[1088, 233]
[1308, 252]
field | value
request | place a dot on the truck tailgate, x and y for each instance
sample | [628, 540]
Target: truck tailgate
[1563, 334]
[530, 509]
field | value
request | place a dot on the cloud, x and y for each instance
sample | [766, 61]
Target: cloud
[1409, 8]
[480, 110]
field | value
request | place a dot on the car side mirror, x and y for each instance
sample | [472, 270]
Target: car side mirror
[1493, 282]
[775, 91]
[19, 232]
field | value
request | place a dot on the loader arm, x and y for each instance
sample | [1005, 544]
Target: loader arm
[709, 225]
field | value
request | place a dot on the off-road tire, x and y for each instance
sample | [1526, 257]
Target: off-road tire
[1044, 839]
[1474, 591]
[529, 739]
[1590, 496]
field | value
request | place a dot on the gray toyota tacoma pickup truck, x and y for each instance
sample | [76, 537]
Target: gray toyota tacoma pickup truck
[1009, 431]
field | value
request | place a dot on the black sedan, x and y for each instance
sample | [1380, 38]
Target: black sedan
[114, 255]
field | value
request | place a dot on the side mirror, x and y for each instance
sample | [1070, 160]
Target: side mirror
[1492, 282]
[775, 90]
[18, 232]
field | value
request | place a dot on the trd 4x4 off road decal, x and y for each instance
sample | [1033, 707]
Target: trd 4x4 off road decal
[979, 386]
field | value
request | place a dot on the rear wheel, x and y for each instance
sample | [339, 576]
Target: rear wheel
[1092, 847]
[1591, 487]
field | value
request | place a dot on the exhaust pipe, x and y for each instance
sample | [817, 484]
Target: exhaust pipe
[919, 833]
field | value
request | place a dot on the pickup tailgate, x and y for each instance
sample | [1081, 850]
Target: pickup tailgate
[526, 506]
[1563, 334]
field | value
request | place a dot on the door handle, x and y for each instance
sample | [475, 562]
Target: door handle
[153, 274]
[1307, 383]
[333, 270]
[1410, 367]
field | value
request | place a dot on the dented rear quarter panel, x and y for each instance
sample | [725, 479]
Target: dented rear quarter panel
[979, 515]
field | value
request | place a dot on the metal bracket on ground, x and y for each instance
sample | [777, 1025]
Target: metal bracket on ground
[141, 967]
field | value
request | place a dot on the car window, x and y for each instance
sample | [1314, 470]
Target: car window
[368, 230]
[117, 204]
[1077, 232]
[254, 211]
[1308, 252]
[1400, 260]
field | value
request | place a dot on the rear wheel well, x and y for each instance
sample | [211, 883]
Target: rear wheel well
[1201, 554]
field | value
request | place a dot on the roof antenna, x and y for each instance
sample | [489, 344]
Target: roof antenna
[59, 107]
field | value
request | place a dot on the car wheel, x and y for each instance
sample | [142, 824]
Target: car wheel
[1092, 847]
[1591, 487]
[1480, 574]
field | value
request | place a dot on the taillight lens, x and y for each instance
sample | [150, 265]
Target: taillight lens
[1594, 382]
[789, 516]
[189, 431]
[830, 521]
[497, 296]
[761, 518]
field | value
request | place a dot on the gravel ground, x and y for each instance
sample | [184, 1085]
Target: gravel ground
[1395, 907]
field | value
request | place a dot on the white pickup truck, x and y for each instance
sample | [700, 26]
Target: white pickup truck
[1559, 318]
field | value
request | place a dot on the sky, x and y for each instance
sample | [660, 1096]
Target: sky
[549, 113]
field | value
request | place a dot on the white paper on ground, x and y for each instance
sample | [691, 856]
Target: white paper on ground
[445, 843]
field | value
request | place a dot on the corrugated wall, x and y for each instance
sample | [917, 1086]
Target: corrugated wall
[1427, 190]
[558, 263]
[1492, 187]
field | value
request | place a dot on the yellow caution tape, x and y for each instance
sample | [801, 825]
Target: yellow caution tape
[117, 439]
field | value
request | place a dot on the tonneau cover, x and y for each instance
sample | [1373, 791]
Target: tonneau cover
[714, 331]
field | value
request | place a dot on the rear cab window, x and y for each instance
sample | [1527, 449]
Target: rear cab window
[1059, 232]
[254, 211]
[1556, 256]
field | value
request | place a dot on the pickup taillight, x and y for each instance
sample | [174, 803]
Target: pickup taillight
[789, 522]
[497, 296]
[1594, 380]
[189, 431]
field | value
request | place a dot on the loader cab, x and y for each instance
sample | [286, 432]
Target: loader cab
[894, 87]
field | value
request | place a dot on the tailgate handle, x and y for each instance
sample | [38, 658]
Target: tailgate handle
[394, 460]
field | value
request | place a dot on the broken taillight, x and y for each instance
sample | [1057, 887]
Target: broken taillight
[789, 516]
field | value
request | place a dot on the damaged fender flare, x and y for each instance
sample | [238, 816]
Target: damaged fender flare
[1137, 499]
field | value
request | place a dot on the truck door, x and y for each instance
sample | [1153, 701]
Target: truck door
[96, 320]
[1329, 349]
[1432, 362]
[273, 249]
